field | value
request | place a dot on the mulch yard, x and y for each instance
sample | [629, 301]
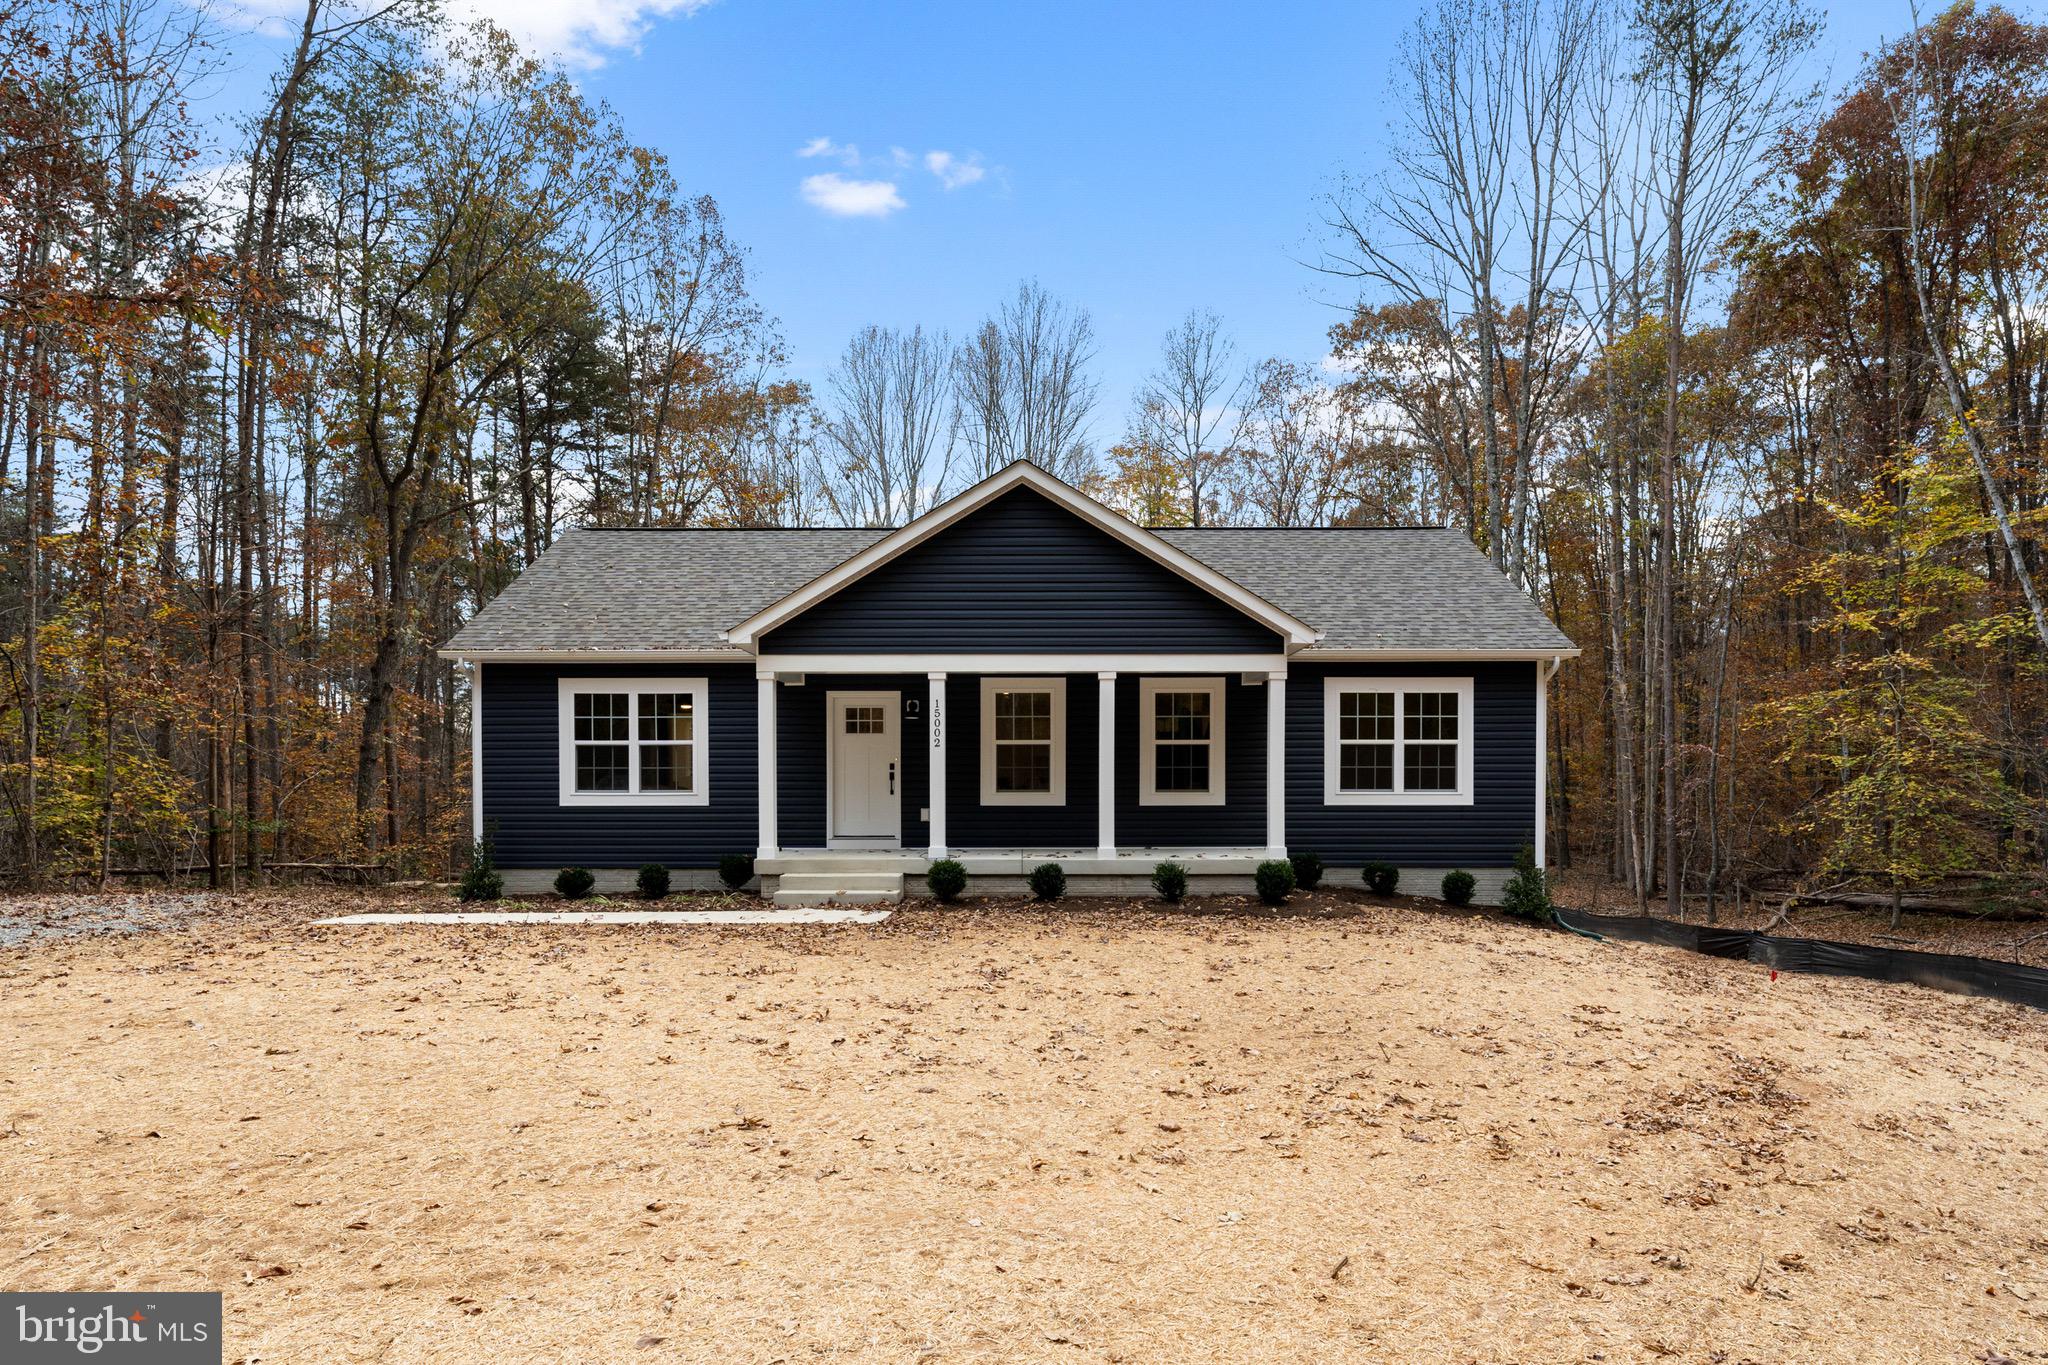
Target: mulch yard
[1102, 1132]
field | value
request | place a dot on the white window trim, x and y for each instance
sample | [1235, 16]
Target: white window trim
[700, 741]
[1058, 795]
[1333, 691]
[1148, 732]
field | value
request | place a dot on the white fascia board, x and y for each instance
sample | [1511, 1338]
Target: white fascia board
[1027, 665]
[1297, 632]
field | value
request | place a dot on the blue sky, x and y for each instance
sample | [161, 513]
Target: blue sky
[1139, 159]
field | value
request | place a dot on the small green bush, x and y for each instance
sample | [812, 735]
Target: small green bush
[653, 881]
[1308, 871]
[1170, 880]
[1382, 878]
[1458, 887]
[1527, 894]
[1274, 879]
[1048, 882]
[574, 883]
[736, 870]
[947, 879]
[480, 880]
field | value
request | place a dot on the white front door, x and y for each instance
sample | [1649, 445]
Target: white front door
[864, 763]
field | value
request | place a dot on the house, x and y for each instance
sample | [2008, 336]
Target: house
[1020, 675]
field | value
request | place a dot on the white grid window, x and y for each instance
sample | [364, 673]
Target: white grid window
[1023, 741]
[1397, 742]
[633, 741]
[1180, 722]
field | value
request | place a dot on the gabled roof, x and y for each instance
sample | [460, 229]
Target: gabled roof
[1295, 631]
[602, 595]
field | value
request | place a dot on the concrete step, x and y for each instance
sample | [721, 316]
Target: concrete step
[796, 864]
[793, 899]
[880, 883]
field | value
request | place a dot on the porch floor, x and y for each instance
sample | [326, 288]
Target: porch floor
[1011, 862]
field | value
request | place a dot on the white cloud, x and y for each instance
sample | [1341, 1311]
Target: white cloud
[954, 172]
[844, 198]
[844, 152]
[578, 33]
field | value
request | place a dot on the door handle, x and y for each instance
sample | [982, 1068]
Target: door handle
[892, 779]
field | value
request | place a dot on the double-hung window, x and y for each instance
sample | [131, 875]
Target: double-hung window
[1397, 742]
[1180, 721]
[633, 742]
[1023, 741]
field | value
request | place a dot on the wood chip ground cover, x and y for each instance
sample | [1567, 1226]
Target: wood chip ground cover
[1100, 1132]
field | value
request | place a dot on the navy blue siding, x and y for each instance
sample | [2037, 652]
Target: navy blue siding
[532, 831]
[970, 825]
[1021, 574]
[1240, 822]
[522, 776]
[1486, 833]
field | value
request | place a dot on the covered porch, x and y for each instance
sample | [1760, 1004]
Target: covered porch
[1106, 764]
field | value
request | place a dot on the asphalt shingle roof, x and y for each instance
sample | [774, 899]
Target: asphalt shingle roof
[1365, 588]
[1419, 588]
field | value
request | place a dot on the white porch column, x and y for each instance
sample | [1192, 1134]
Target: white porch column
[935, 726]
[764, 759]
[1105, 765]
[1276, 765]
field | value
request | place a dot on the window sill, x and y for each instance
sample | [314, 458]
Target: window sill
[1398, 799]
[634, 799]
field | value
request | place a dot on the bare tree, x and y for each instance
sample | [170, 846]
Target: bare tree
[1022, 388]
[890, 433]
[1723, 72]
[1477, 221]
[1191, 409]
[1298, 441]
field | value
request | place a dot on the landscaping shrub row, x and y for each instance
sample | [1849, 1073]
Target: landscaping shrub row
[1275, 880]
[1526, 896]
[481, 881]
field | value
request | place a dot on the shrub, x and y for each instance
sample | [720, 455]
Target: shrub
[653, 881]
[480, 880]
[1170, 880]
[1527, 894]
[1274, 880]
[1308, 871]
[1048, 882]
[736, 870]
[574, 883]
[1458, 887]
[947, 879]
[1382, 878]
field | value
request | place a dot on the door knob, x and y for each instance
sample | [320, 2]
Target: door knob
[892, 779]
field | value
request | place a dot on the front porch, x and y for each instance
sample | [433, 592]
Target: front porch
[883, 764]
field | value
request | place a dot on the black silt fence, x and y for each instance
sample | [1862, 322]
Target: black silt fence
[1939, 971]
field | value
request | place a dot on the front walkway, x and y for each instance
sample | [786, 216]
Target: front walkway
[802, 915]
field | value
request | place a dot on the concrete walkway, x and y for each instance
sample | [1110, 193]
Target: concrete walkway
[818, 914]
